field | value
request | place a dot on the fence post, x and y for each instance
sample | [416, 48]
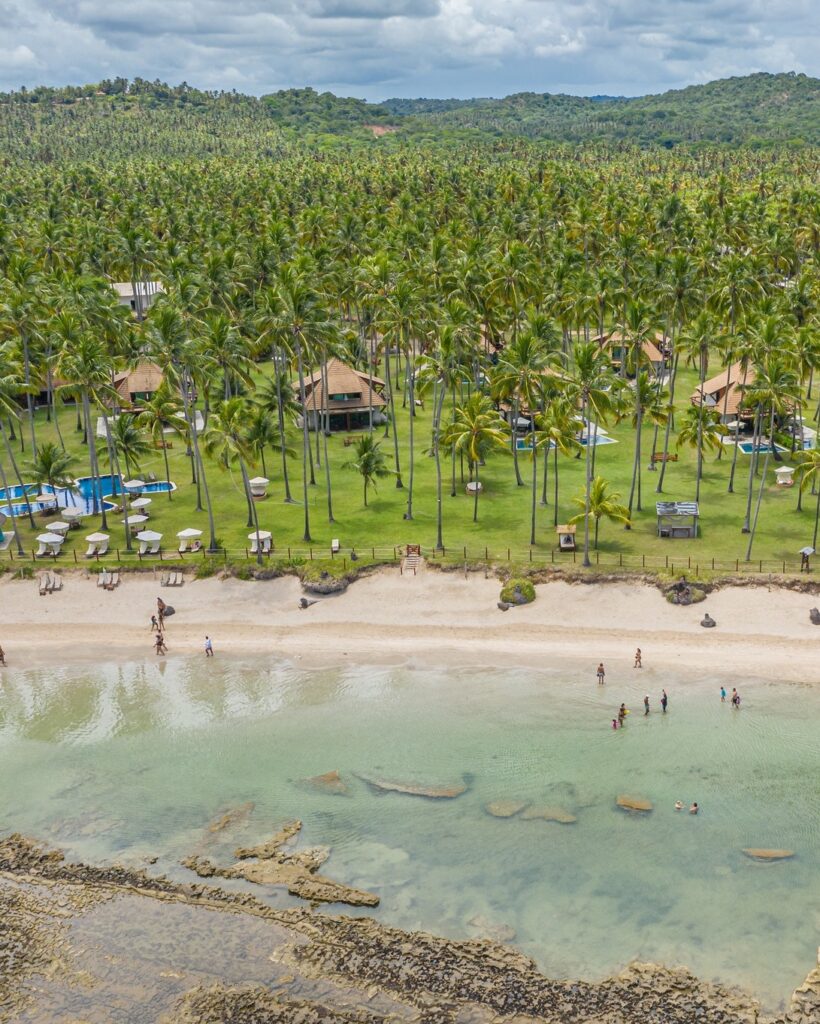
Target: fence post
[373, 553]
[552, 555]
[689, 561]
[508, 555]
[620, 560]
[344, 563]
[74, 552]
[288, 554]
[486, 556]
[225, 554]
[761, 565]
[311, 553]
[465, 554]
[643, 561]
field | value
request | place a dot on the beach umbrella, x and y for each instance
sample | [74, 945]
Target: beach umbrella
[149, 535]
[51, 538]
[133, 485]
[46, 499]
[141, 502]
[135, 520]
[97, 538]
[261, 480]
[188, 533]
[262, 535]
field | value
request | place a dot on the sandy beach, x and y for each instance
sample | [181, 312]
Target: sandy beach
[442, 618]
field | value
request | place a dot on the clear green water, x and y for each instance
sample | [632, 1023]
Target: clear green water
[129, 761]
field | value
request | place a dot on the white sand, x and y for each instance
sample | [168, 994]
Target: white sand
[441, 617]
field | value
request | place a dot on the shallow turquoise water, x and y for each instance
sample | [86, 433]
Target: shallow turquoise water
[134, 760]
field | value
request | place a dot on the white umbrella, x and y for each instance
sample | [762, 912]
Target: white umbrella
[51, 538]
[133, 485]
[97, 538]
[189, 532]
[57, 527]
[262, 535]
[141, 502]
[149, 535]
[135, 520]
[46, 499]
[262, 480]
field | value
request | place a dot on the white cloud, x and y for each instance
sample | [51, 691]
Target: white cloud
[376, 48]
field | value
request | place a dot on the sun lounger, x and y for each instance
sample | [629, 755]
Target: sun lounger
[55, 584]
[165, 579]
[44, 584]
[103, 578]
[113, 580]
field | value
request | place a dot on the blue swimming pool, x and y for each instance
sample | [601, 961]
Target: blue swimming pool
[747, 447]
[80, 497]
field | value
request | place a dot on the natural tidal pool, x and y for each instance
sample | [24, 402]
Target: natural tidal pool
[130, 761]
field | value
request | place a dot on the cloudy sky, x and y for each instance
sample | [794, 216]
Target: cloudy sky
[380, 48]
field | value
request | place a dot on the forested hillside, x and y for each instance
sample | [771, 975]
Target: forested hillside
[116, 118]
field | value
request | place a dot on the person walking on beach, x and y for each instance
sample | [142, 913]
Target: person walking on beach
[209, 648]
[638, 663]
[159, 644]
[601, 674]
[646, 705]
[154, 624]
[664, 701]
[2, 656]
[723, 695]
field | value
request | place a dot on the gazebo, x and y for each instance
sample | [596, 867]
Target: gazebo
[566, 536]
[677, 518]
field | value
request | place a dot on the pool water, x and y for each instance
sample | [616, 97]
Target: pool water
[123, 761]
[79, 497]
[747, 447]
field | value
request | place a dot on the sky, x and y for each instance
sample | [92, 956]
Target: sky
[375, 49]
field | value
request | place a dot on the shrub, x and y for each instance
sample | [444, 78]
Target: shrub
[518, 591]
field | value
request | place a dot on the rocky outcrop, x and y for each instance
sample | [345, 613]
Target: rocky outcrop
[634, 803]
[412, 789]
[330, 782]
[505, 808]
[269, 864]
[231, 818]
[763, 854]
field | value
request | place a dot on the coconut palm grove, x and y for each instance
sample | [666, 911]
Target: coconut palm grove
[248, 319]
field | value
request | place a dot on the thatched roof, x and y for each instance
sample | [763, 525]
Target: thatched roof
[650, 350]
[715, 389]
[145, 378]
[342, 380]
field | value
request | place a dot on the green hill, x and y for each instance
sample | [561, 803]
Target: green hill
[119, 119]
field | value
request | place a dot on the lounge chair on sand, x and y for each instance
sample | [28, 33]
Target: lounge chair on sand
[44, 583]
[55, 584]
[103, 578]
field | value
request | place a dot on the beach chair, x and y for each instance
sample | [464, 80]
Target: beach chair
[113, 580]
[164, 579]
[55, 584]
[103, 578]
[43, 584]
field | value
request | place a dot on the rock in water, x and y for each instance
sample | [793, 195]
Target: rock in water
[634, 803]
[762, 854]
[505, 808]
[233, 816]
[330, 782]
[411, 789]
[549, 814]
[494, 930]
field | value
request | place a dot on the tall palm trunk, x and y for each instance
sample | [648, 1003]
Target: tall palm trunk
[438, 409]
[325, 432]
[731, 488]
[555, 486]
[411, 384]
[201, 480]
[514, 443]
[16, 471]
[6, 490]
[305, 438]
[667, 432]
[280, 415]
[115, 475]
[29, 396]
[636, 465]
[753, 461]
[762, 485]
[534, 488]
[474, 468]
[254, 514]
[391, 405]
[588, 484]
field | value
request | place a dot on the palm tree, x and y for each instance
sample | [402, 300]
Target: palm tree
[163, 411]
[558, 423]
[591, 385]
[776, 389]
[702, 430]
[370, 462]
[638, 328]
[476, 430]
[601, 504]
[276, 395]
[809, 472]
[51, 465]
[261, 433]
[129, 441]
[225, 440]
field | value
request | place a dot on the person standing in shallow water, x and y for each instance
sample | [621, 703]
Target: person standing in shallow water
[646, 705]
[723, 695]
[664, 701]
[601, 674]
[638, 662]
[622, 714]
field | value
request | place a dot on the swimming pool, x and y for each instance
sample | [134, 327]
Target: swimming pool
[598, 440]
[80, 498]
[747, 447]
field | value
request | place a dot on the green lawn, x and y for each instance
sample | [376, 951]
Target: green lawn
[504, 508]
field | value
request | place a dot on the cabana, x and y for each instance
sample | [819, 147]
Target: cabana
[58, 527]
[140, 505]
[784, 476]
[566, 536]
[149, 542]
[97, 544]
[72, 516]
[134, 486]
[677, 518]
[259, 486]
[260, 541]
[805, 555]
[189, 539]
[50, 544]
